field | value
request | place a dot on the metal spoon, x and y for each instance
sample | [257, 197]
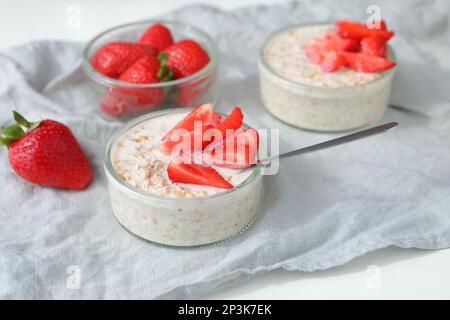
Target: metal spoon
[330, 143]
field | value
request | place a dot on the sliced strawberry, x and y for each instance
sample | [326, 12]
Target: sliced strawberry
[318, 49]
[374, 46]
[208, 134]
[186, 57]
[358, 31]
[380, 26]
[46, 153]
[336, 43]
[202, 113]
[332, 62]
[144, 70]
[196, 174]
[200, 137]
[216, 118]
[314, 53]
[232, 122]
[237, 151]
[366, 63]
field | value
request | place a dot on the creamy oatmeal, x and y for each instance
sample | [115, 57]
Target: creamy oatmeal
[171, 213]
[298, 92]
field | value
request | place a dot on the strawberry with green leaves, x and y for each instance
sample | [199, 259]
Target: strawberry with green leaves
[237, 151]
[332, 62]
[46, 153]
[231, 123]
[366, 63]
[186, 57]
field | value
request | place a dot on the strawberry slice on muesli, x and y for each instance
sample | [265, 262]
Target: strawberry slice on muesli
[238, 151]
[196, 174]
[202, 113]
[359, 47]
[223, 143]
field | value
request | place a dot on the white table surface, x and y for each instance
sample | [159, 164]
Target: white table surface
[391, 273]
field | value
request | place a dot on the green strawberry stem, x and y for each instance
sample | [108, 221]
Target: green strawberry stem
[164, 72]
[21, 120]
[163, 57]
[14, 131]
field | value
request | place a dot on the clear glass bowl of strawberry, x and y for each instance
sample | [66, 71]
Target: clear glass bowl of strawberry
[145, 66]
[327, 77]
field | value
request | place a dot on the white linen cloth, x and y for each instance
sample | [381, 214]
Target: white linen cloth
[322, 209]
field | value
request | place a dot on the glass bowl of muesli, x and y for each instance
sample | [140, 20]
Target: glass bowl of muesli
[298, 91]
[147, 203]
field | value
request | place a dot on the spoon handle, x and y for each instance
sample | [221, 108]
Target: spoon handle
[332, 143]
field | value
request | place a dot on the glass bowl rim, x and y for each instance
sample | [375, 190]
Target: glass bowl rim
[102, 79]
[109, 168]
[263, 63]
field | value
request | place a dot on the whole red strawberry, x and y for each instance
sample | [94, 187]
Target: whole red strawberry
[126, 100]
[158, 36]
[146, 70]
[186, 57]
[47, 154]
[114, 58]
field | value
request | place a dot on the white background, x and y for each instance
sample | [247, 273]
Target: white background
[391, 273]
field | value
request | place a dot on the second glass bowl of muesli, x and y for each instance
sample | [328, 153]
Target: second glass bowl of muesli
[301, 93]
